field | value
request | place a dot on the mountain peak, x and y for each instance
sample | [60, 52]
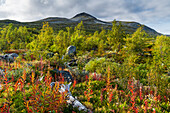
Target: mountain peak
[83, 16]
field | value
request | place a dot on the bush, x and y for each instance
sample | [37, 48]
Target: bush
[95, 65]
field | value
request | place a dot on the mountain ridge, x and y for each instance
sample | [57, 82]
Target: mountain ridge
[90, 22]
[83, 14]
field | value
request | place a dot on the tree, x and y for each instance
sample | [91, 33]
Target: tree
[6, 37]
[78, 36]
[14, 38]
[58, 44]
[79, 29]
[101, 47]
[134, 45]
[160, 64]
[45, 38]
[115, 37]
[161, 51]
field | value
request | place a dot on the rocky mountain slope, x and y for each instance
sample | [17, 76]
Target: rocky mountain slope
[90, 22]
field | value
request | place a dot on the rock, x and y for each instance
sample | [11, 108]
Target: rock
[5, 56]
[55, 72]
[52, 84]
[67, 76]
[9, 58]
[70, 99]
[71, 51]
[14, 55]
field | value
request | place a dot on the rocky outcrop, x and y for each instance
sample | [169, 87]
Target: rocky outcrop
[14, 55]
[9, 57]
[70, 99]
[56, 74]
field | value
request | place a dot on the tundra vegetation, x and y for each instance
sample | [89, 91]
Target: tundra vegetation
[115, 72]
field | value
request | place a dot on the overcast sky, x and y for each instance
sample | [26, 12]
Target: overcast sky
[153, 13]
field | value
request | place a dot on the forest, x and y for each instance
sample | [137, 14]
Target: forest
[114, 71]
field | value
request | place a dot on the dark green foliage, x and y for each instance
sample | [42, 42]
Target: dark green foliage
[14, 38]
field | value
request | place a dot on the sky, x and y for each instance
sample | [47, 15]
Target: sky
[153, 13]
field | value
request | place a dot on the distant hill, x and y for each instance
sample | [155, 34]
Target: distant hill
[90, 22]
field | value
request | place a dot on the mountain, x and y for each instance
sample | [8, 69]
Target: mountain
[90, 22]
[83, 17]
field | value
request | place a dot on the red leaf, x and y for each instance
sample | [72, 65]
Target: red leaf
[74, 84]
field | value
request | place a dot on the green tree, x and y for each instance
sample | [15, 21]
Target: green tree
[91, 42]
[14, 38]
[45, 38]
[6, 37]
[78, 36]
[136, 43]
[134, 46]
[101, 47]
[79, 29]
[59, 43]
[161, 51]
[115, 37]
[160, 64]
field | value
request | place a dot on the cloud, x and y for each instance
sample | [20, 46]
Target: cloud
[143, 11]
[2, 2]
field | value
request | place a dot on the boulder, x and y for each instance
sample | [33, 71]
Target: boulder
[55, 74]
[5, 56]
[67, 76]
[14, 55]
[71, 51]
[9, 58]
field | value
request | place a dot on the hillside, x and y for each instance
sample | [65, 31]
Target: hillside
[91, 24]
[74, 71]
